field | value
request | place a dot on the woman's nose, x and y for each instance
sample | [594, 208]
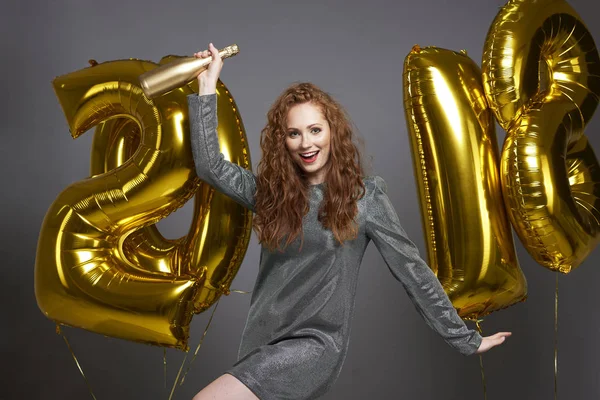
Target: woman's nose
[306, 142]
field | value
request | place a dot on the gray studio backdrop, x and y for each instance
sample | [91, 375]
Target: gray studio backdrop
[354, 50]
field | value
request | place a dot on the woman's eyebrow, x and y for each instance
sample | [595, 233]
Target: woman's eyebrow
[291, 128]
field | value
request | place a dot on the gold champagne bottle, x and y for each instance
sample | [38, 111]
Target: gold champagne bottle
[178, 73]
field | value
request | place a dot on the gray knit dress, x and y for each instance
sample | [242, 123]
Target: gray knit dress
[298, 327]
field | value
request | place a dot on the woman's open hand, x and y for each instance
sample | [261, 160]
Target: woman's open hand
[207, 79]
[491, 341]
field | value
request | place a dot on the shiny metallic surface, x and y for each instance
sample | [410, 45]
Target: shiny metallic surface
[178, 72]
[456, 160]
[541, 74]
[101, 264]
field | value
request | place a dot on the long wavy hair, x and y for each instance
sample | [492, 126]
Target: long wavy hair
[282, 195]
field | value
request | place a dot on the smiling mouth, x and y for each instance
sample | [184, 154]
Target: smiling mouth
[310, 157]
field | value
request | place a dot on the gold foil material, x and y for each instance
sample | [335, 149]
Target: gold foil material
[541, 74]
[101, 264]
[178, 72]
[455, 154]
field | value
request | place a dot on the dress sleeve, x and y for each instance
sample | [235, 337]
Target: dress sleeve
[229, 178]
[422, 286]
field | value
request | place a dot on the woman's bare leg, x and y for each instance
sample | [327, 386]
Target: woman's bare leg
[226, 387]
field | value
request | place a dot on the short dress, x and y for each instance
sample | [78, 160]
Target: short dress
[298, 327]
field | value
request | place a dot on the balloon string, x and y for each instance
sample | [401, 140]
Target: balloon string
[60, 332]
[241, 291]
[477, 323]
[177, 377]
[165, 364]
[556, 339]
[200, 344]
[205, 331]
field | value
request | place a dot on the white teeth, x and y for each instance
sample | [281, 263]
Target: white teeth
[309, 154]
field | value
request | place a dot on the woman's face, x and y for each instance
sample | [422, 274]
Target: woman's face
[308, 140]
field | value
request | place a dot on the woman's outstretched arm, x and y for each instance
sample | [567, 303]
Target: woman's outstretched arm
[422, 286]
[229, 178]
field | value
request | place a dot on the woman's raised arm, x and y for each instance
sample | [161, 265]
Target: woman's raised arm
[229, 178]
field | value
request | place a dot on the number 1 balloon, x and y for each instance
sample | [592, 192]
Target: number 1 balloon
[455, 155]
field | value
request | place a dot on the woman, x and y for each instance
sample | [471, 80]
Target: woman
[315, 214]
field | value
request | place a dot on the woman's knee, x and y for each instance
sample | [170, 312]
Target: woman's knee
[224, 387]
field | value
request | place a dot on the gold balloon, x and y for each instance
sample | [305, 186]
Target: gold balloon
[541, 75]
[455, 155]
[101, 264]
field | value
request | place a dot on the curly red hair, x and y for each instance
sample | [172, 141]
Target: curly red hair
[282, 197]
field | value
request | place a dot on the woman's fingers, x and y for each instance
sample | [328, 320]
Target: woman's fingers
[492, 341]
[208, 78]
[502, 334]
[214, 69]
[202, 54]
[500, 337]
[211, 52]
[214, 52]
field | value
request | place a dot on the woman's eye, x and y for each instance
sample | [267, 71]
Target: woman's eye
[316, 130]
[292, 133]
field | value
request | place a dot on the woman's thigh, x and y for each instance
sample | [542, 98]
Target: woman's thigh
[226, 387]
